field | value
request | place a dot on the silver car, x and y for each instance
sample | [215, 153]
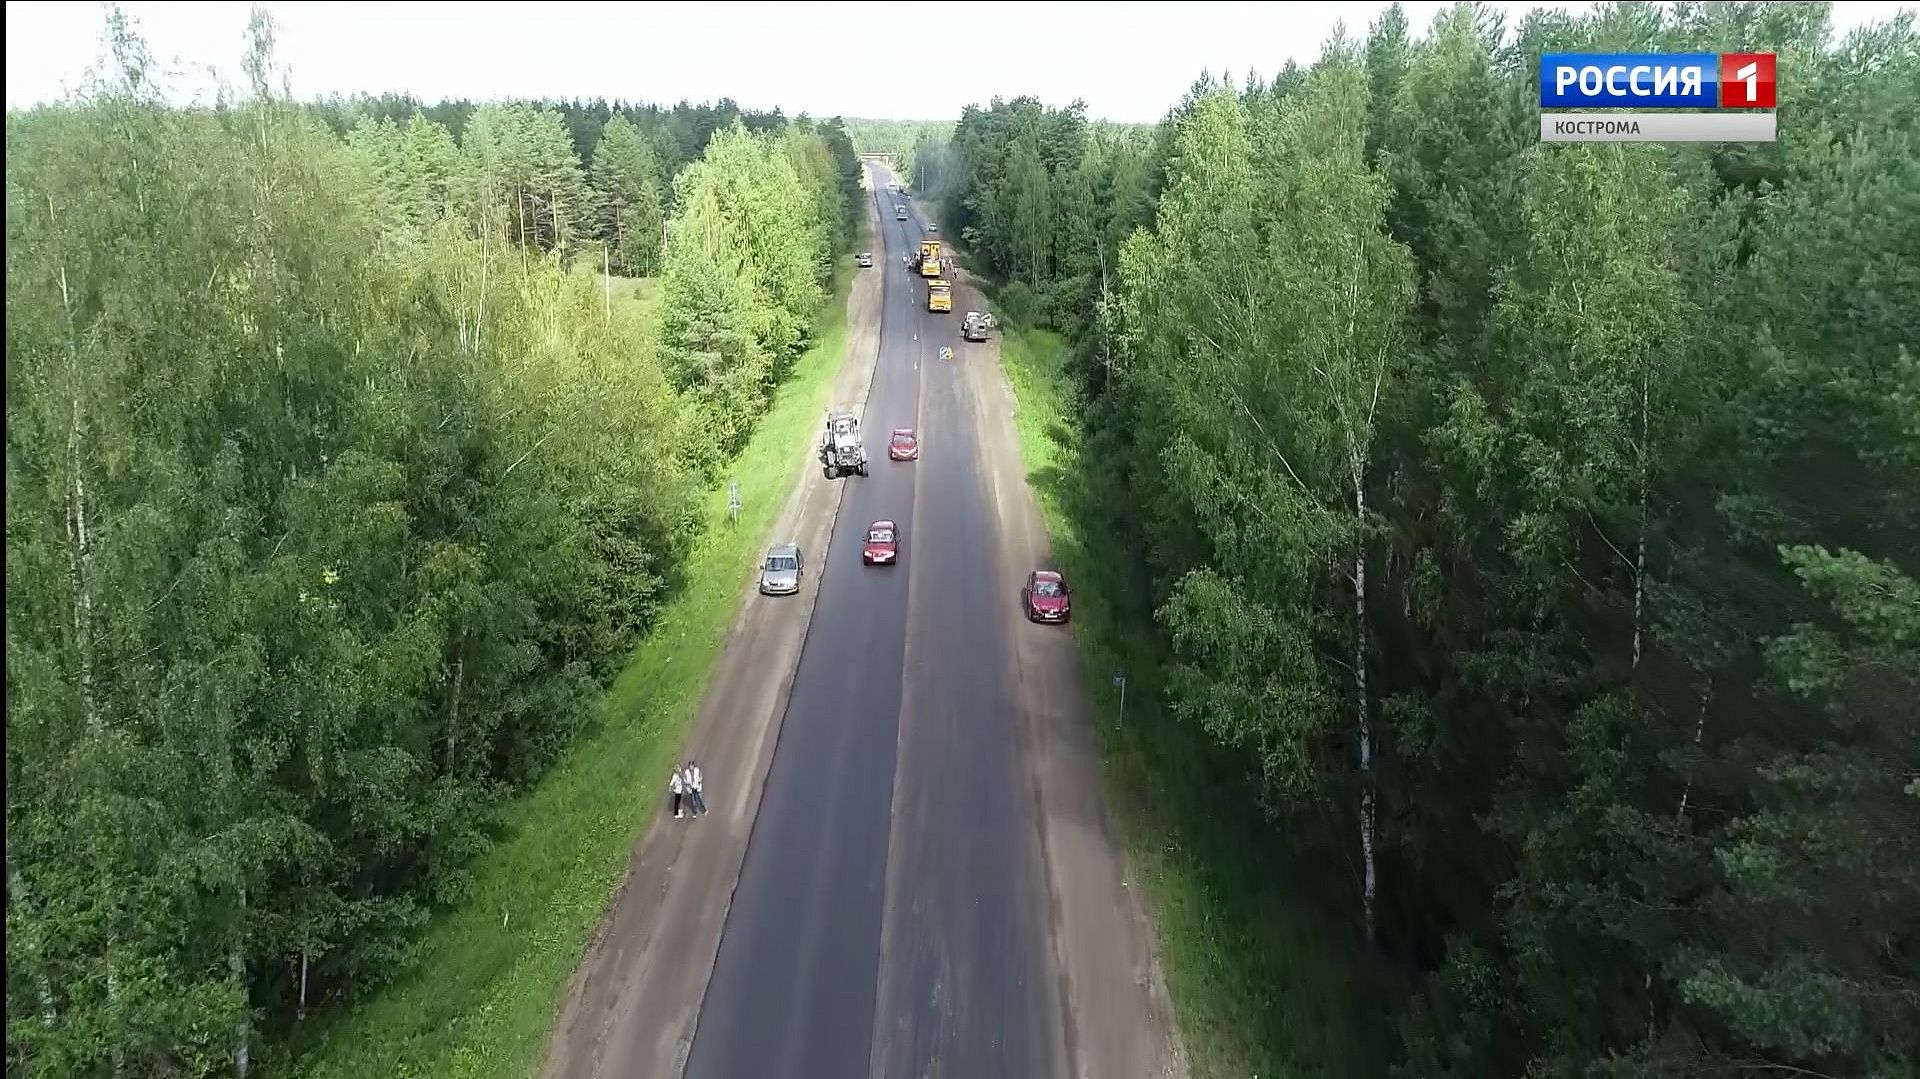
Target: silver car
[780, 573]
[866, 258]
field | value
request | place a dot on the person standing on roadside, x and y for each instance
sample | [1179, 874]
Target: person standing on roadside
[696, 788]
[678, 785]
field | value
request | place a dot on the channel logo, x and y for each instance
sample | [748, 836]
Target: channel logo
[1652, 80]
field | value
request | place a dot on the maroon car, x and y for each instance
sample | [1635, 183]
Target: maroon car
[903, 446]
[883, 544]
[1046, 596]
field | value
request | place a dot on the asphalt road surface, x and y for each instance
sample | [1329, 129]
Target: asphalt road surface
[799, 977]
[909, 871]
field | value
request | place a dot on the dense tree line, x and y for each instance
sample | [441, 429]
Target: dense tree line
[1543, 522]
[678, 135]
[1045, 199]
[336, 489]
[901, 138]
[604, 172]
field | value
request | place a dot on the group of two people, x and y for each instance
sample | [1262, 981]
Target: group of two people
[687, 783]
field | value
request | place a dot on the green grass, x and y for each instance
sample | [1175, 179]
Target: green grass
[491, 973]
[1263, 979]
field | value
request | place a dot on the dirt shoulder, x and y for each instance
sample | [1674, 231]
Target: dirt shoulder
[1119, 1019]
[634, 1003]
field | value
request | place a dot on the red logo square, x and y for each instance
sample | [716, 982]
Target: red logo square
[1746, 80]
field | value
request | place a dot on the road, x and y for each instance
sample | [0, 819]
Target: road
[927, 885]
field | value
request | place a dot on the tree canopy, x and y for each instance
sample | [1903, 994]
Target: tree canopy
[1544, 516]
[337, 489]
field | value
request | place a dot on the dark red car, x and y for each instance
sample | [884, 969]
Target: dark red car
[903, 446]
[883, 544]
[1047, 597]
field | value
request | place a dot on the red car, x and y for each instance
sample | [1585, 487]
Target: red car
[1047, 596]
[882, 547]
[903, 446]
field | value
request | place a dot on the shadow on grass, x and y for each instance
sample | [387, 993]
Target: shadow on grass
[1257, 929]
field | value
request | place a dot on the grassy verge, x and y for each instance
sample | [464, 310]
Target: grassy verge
[1262, 979]
[491, 973]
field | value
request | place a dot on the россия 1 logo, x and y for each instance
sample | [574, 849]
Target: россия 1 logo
[1652, 80]
[1724, 97]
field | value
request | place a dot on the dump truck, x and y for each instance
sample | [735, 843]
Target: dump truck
[841, 450]
[939, 296]
[930, 264]
[975, 326]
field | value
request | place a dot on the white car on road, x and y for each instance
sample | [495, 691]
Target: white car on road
[780, 573]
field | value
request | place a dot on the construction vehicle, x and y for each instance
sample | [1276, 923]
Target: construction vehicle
[841, 450]
[975, 326]
[930, 264]
[939, 296]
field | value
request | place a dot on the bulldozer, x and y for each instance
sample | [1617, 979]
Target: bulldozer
[939, 296]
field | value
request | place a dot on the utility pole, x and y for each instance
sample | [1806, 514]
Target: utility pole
[1121, 681]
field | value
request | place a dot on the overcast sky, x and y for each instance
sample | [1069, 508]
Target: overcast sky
[1130, 61]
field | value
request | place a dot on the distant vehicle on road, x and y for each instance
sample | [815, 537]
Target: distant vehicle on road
[1046, 596]
[931, 227]
[780, 573]
[899, 213]
[866, 258]
[904, 446]
[882, 544]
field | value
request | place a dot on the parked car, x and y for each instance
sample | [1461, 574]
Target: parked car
[780, 573]
[866, 258]
[883, 544]
[903, 446]
[1047, 596]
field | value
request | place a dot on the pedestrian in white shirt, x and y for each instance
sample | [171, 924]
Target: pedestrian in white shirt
[696, 789]
[678, 785]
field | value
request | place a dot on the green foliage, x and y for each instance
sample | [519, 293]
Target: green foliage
[481, 997]
[626, 175]
[1625, 439]
[524, 180]
[746, 265]
[336, 494]
[1044, 201]
[905, 139]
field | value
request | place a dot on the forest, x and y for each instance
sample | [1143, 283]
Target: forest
[902, 138]
[346, 462]
[1533, 528]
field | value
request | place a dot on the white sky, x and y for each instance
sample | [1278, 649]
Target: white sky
[906, 60]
